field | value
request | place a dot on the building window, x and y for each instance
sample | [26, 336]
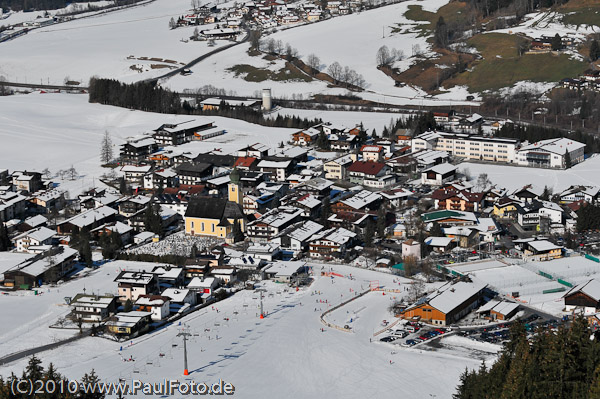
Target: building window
[202, 226]
[192, 225]
[213, 227]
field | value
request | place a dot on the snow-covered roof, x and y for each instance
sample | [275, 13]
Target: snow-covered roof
[304, 230]
[129, 277]
[176, 294]
[274, 164]
[92, 301]
[197, 282]
[590, 288]
[555, 146]
[285, 268]
[89, 217]
[438, 241]
[40, 266]
[136, 169]
[441, 169]
[279, 216]
[451, 296]
[543, 245]
[35, 221]
[361, 199]
[39, 234]
[152, 300]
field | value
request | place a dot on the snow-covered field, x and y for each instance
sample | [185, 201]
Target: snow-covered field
[101, 45]
[56, 131]
[515, 278]
[514, 177]
[285, 352]
[549, 23]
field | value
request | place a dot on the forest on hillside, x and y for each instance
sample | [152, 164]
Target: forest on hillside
[37, 5]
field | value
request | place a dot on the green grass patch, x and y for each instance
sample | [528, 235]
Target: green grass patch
[253, 74]
[455, 12]
[588, 16]
[502, 67]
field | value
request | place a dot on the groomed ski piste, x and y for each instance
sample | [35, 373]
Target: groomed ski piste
[289, 351]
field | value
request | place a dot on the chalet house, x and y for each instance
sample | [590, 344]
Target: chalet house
[27, 181]
[337, 169]
[224, 274]
[157, 305]
[260, 203]
[438, 174]
[528, 193]
[137, 150]
[198, 267]
[11, 205]
[361, 202]
[246, 163]
[138, 220]
[177, 134]
[331, 243]
[443, 117]
[361, 170]
[124, 231]
[447, 304]
[542, 250]
[305, 137]
[47, 267]
[33, 238]
[411, 248]
[160, 179]
[203, 286]
[440, 244]
[134, 174]
[577, 193]
[47, 201]
[129, 324]
[296, 236]
[309, 203]
[169, 276]
[180, 297]
[286, 272]
[372, 153]
[256, 150]
[397, 196]
[33, 222]
[208, 216]
[279, 168]
[458, 200]
[506, 207]
[585, 297]
[92, 308]
[133, 284]
[193, 174]
[531, 214]
[343, 142]
[88, 219]
[450, 218]
[132, 205]
[271, 223]
[317, 186]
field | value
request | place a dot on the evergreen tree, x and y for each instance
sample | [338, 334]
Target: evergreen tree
[85, 250]
[440, 35]
[128, 306]
[556, 42]
[369, 233]
[594, 50]
[89, 380]
[381, 222]
[123, 189]
[325, 211]
[5, 244]
[436, 230]
[152, 219]
[567, 160]
[106, 151]
[238, 234]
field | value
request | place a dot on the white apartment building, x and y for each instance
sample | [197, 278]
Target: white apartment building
[551, 153]
[468, 146]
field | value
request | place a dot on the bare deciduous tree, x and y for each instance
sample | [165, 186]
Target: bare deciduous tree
[335, 70]
[313, 62]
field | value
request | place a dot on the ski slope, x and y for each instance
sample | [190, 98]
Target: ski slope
[285, 352]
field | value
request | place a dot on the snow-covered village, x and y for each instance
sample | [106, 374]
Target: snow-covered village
[342, 199]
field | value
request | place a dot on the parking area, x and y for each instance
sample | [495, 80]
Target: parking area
[411, 333]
